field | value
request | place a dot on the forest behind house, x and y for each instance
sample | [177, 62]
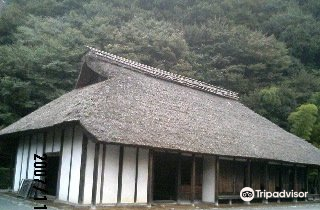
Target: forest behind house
[267, 50]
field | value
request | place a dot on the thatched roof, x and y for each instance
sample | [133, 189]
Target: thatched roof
[135, 108]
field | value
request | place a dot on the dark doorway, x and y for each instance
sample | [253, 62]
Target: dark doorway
[185, 184]
[165, 176]
[52, 173]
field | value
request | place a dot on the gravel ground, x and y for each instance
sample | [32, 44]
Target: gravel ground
[12, 203]
[284, 207]
[7, 203]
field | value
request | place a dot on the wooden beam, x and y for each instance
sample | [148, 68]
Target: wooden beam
[193, 178]
[95, 174]
[216, 194]
[150, 177]
[120, 174]
[83, 168]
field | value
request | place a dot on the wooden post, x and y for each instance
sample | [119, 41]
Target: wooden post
[248, 175]
[280, 181]
[217, 182]
[266, 181]
[295, 182]
[306, 183]
[193, 178]
[306, 179]
[281, 178]
[318, 189]
[95, 174]
[179, 178]
[234, 175]
[150, 177]
[120, 174]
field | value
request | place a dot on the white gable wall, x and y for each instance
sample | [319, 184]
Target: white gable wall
[71, 186]
[70, 165]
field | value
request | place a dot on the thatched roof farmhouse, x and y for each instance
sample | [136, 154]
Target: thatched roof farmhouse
[123, 116]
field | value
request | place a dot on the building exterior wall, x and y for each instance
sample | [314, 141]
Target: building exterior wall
[122, 175]
[19, 159]
[88, 178]
[70, 165]
[110, 174]
[142, 179]
[99, 177]
[128, 175]
[49, 141]
[65, 165]
[25, 158]
[208, 185]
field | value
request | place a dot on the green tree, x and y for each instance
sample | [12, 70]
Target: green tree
[303, 119]
[236, 57]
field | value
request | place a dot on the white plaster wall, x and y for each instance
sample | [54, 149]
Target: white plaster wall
[40, 144]
[75, 166]
[33, 150]
[99, 174]
[111, 172]
[25, 158]
[57, 140]
[65, 164]
[49, 140]
[18, 165]
[88, 181]
[128, 175]
[208, 184]
[142, 181]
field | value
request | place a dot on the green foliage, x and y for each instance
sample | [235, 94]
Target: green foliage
[266, 50]
[303, 119]
[235, 56]
[274, 103]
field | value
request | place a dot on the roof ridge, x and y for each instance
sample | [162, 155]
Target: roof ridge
[159, 73]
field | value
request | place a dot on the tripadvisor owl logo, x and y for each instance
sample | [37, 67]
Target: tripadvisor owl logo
[247, 194]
